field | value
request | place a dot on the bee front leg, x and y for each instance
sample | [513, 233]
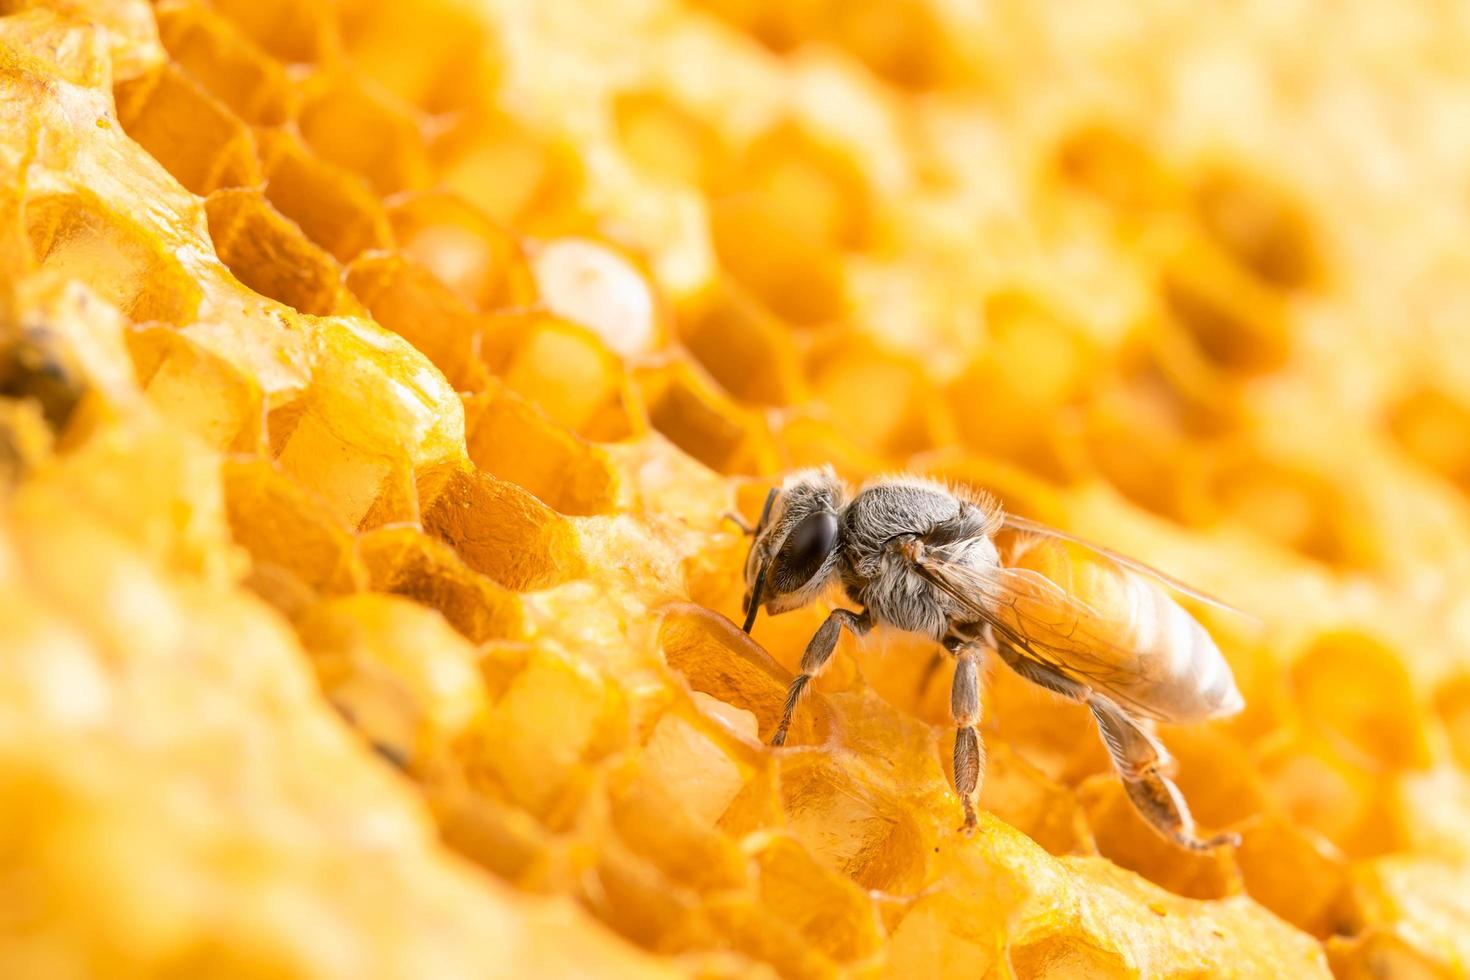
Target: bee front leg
[969, 751]
[818, 652]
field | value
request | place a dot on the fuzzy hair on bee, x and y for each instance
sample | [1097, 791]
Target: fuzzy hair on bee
[919, 555]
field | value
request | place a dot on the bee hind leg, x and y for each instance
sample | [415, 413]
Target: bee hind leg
[818, 652]
[1141, 763]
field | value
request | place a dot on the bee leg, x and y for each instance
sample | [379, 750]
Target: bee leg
[818, 652]
[969, 752]
[1140, 761]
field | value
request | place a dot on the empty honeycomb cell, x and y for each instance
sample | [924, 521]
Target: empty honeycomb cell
[565, 369]
[361, 130]
[798, 280]
[375, 415]
[283, 528]
[512, 173]
[478, 260]
[534, 765]
[267, 252]
[1123, 838]
[717, 659]
[1216, 775]
[1353, 688]
[194, 136]
[409, 301]
[335, 208]
[1018, 793]
[590, 283]
[432, 55]
[828, 910]
[1117, 166]
[1136, 446]
[1302, 509]
[742, 346]
[397, 671]
[499, 529]
[691, 414]
[1322, 793]
[407, 562]
[199, 390]
[855, 825]
[908, 418]
[670, 821]
[1294, 873]
[508, 438]
[295, 33]
[632, 897]
[1236, 320]
[1008, 401]
[668, 140]
[1259, 225]
[1433, 426]
[76, 236]
[229, 67]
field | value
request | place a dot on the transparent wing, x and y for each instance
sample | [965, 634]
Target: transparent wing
[1026, 526]
[1044, 623]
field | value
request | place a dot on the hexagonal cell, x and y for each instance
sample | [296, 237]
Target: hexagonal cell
[333, 206]
[478, 260]
[354, 126]
[499, 529]
[409, 301]
[907, 419]
[1355, 690]
[669, 140]
[688, 411]
[513, 174]
[189, 131]
[1432, 424]
[399, 673]
[831, 913]
[199, 390]
[407, 562]
[565, 369]
[1106, 160]
[1294, 873]
[743, 346]
[288, 535]
[76, 236]
[1236, 321]
[375, 415]
[231, 68]
[508, 438]
[267, 252]
[1259, 224]
[296, 33]
[434, 55]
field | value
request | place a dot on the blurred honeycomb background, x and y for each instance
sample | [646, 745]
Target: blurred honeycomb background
[375, 375]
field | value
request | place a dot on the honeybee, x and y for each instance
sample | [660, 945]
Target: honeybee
[1076, 619]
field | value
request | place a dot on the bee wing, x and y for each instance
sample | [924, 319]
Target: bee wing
[1046, 624]
[1026, 526]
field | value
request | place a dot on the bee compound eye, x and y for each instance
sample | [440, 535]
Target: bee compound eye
[805, 549]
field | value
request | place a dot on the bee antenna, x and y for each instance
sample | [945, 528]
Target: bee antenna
[755, 599]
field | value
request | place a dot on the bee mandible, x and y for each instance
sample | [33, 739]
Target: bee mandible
[1080, 621]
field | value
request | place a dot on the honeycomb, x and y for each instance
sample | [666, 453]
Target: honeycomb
[376, 375]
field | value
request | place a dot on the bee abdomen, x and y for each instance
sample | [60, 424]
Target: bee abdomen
[1184, 675]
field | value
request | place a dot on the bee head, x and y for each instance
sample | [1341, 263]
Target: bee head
[794, 554]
